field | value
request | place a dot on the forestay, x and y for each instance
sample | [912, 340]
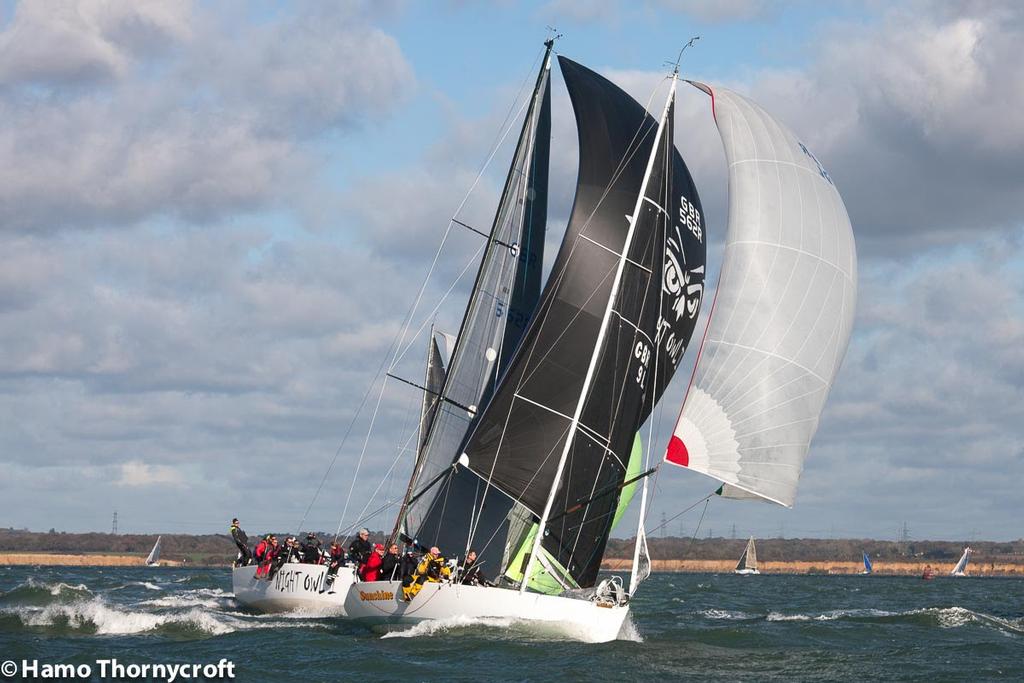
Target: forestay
[782, 315]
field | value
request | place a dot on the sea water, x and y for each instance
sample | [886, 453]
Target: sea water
[683, 627]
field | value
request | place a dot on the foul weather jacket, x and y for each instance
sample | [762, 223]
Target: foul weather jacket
[370, 570]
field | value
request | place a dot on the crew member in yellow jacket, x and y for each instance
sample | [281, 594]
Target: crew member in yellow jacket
[431, 568]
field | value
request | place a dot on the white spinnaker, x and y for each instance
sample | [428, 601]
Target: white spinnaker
[782, 315]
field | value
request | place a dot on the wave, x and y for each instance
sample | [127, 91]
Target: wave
[150, 586]
[729, 615]
[832, 615]
[98, 617]
[35, 592]
[943, 617]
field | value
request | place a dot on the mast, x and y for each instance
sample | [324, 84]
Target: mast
[641, 532]
[596, 353]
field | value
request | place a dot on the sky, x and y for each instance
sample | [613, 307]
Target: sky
[214, 218]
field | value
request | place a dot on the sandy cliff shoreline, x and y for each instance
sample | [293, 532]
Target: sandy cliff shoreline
[79, 560]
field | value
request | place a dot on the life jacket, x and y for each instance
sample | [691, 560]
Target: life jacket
[431, 569]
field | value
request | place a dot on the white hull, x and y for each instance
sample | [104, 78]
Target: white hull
[295, 588]
[380, 602]
[745, 572]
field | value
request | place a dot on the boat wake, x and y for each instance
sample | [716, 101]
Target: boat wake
[442, 626]
[630, 633]
[501, 626]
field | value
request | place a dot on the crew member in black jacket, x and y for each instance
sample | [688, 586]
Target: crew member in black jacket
[389, 566]
[311, 549]
[470, 574]
[359, 549]
[242, 541]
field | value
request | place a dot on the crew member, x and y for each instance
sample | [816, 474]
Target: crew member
[390, 564]
[359, 549]
[337, 558]
[293, 553]
[311, 549]
[260, 553]
[371, 570]
[470, 574]
[279, 555]
[430, 569]
[242, 541]
[265, 555]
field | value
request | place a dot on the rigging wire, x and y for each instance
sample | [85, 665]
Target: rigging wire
[452, 222]
[344, 439]
[706, 500]
[400, 338]
[402, 448]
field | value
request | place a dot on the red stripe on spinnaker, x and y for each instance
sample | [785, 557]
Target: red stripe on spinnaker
[677, 452]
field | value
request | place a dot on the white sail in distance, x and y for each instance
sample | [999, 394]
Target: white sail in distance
[782, 315]
[961, 566]
[154, 554]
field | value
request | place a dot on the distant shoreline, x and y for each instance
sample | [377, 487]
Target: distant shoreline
[882, 568]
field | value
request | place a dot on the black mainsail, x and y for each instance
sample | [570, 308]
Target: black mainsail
[517, 443]
[501, 305]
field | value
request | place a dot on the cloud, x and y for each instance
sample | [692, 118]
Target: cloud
[54, 43]
[716, 11]
[137, 473]
[217, 127]
[197, 332]
[581, 11]
[912, 115]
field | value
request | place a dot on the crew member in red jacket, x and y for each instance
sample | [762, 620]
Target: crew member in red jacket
[267, 556]
[260, 553]
[371, 570]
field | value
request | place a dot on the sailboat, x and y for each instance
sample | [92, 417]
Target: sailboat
[532, 448]
[961, 566]
[153, 559]
[748, 560]
[867, 564]
[535, 480]
[541, 473]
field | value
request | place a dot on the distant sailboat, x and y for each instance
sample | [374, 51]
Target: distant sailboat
[961, 566]
[748, 560]
[867, 565]
[153, 560]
